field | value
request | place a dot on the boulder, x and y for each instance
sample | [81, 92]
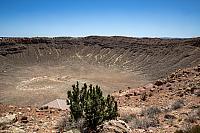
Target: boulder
[17, 130]
[5, 131]
[114, 126]
[8, 119]
[197, 92]
[159, 83]
[149, 86]
[168, 116]
[24, 119]
[73, 131]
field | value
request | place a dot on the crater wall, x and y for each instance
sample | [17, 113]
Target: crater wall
[37, 70]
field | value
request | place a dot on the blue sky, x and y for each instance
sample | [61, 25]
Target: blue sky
[138, 18]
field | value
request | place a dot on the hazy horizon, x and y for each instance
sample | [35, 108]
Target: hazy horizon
[97, 36]
[78, 18]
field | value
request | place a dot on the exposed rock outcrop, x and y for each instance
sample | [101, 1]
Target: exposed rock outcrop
[115, 126]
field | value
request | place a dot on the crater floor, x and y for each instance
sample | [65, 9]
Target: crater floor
[38, 84]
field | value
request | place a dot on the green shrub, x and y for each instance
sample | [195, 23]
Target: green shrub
[91, 105]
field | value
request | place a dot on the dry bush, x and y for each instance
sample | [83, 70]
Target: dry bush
[151, 112]
[149, 120]
[195, 129]
[193, 116]
[61, 124]
[144, 123]
[177, 104]
[128, 118]
[65, 123]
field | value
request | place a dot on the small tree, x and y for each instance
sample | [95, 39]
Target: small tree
[74, 102]
[91, 105]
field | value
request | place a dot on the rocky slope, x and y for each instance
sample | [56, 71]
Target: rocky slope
[34, 71]
[165, 105]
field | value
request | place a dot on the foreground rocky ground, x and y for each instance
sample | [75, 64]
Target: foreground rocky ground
[163, 106]
[29, 119]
